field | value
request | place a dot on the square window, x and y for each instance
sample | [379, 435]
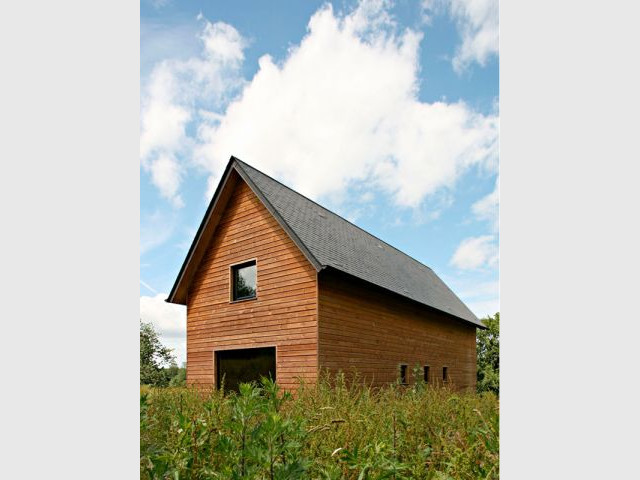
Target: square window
[244, 281]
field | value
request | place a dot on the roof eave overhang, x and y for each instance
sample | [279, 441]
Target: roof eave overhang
[476, 322]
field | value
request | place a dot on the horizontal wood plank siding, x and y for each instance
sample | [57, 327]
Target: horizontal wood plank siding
[365, 329]
[284, 314]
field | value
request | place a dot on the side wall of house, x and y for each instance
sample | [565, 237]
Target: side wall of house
[284, 314]
[373, 331]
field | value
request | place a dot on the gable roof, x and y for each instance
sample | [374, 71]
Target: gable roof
[328, 240]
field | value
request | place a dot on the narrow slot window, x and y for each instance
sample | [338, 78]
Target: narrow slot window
[445, 374]
[403, 374]
[426, 374]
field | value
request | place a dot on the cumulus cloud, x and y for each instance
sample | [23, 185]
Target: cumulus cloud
[170, 95]
[343, 109]
[477, 23]
[169, 320]
[486, 208]
[339, 112]
[476, 252]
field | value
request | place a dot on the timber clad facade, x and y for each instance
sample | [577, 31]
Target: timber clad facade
[374, 332]
[284, 313]
[313, 312]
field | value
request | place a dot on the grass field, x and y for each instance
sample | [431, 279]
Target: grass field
[332, 430]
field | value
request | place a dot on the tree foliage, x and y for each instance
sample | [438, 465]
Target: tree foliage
[177, 375]
[154, 357]
[488, 352]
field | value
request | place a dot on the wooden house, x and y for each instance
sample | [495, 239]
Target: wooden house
[276, 284]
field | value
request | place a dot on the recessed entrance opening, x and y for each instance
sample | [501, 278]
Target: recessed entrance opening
[244, 365]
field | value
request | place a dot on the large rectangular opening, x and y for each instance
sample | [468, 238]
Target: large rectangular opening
[244, 365]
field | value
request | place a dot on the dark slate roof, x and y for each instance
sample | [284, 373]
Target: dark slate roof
[335, 242]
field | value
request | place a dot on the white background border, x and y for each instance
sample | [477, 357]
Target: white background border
[69, 200]
[569, 239]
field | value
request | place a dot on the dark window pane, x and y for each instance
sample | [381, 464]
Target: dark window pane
[244, 365]
[403, 374]
[445, 374]
[244, 281]
[426, 373]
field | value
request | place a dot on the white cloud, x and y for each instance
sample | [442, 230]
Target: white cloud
[477, 23]
[476, 252]
[147, 286]
[162, 40]
[159, 3]
[367, 197]
[481, 296]
[169, 320]
[169, 97]
[474, 289]
[486, 208]
[155, 229]
[342, 108]
[166, 174]
[485, 308]
[223, 44]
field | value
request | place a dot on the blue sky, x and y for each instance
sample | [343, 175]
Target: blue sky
[385, 112]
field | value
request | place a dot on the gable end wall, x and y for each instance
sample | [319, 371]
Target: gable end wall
[285, 313]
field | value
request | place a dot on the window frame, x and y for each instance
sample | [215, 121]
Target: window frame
[232, 280]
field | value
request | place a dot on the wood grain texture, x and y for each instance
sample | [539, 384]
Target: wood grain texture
[284, 314]
[365, 328]
[198, 250]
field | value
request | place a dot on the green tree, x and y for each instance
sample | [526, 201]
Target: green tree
[177, 375]
[488, 355]
[154, 357]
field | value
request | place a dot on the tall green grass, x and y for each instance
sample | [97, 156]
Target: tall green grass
[336, 429]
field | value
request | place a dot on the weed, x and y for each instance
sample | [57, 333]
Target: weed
[335, 429]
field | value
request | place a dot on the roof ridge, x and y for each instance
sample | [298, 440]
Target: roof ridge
[334, 213]
[329, 243]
